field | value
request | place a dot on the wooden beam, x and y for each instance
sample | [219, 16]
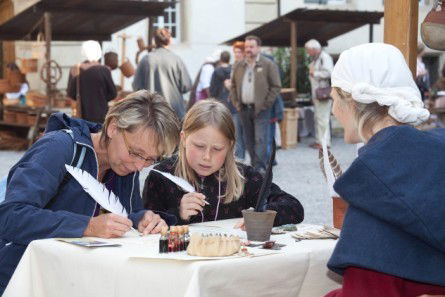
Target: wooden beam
[7, 47]
[293, 55]
[401, 21]
[151, 21]
[47, 24]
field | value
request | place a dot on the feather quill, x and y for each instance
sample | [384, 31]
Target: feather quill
[328, 170]
[107, 199]
[332, 162]
[185, 185]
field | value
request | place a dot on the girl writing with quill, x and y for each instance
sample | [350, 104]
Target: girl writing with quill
[43, 200]
[206, 160]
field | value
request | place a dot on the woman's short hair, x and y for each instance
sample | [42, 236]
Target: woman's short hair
[162, 37]
[238, 45]
[367, 115]
[146, 110]
[213, 113]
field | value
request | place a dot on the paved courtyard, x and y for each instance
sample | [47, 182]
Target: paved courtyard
[297, 172]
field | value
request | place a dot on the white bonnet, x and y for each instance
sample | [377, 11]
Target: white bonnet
[91, 50]
[377, 72]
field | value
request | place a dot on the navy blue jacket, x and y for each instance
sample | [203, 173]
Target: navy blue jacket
[396, 193]
[38, 205]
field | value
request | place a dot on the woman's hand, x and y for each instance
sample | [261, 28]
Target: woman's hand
[240, 225]
[191, 204]
[151, 223]
[108, 225]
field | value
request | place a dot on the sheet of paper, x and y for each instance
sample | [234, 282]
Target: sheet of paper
[86, 242]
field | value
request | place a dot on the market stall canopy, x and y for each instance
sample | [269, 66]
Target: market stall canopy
[320, 24]
[79, 19]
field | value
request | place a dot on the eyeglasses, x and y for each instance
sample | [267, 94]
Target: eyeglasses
[136, 156]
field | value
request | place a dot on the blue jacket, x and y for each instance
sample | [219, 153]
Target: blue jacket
[38, 205]
[396, 193]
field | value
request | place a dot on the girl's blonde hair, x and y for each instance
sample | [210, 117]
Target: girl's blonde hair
[215, 114]
[366, 115]
[143, 109]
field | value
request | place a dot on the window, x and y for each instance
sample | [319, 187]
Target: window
[169, 20]
[316, 1]
[331, 2]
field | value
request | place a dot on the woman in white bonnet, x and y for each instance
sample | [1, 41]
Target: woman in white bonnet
[393, 237]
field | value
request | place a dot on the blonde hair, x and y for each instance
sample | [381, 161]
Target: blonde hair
[212, 113]
[366, 115]
[146, 110]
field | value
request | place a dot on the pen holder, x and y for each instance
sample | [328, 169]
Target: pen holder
[258, 224]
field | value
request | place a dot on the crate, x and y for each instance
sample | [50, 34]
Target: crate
[289, 128]
[9, 116]
[21, 117]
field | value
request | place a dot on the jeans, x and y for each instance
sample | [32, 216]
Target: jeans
[240, 148]
[256, 134]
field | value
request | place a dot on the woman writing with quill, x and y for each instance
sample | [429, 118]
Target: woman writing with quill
[206, 161]
[44, 201]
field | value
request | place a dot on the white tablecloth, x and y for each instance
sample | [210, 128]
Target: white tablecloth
[52, 268]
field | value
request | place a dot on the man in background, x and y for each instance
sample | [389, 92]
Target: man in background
[164, 72]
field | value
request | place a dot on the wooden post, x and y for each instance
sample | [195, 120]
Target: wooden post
[123, 53]
[7, 47]
[293, 55]
[151, 21]
[401, 21]
[371, 33]
[47, 20]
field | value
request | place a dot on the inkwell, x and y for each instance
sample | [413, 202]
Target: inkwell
[259, 221]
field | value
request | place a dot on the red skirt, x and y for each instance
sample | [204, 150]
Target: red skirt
[360, 282]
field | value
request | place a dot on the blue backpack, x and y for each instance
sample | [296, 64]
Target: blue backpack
[78, 157]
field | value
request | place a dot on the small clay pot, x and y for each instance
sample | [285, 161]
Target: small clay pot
[258, 224]
[339, 208]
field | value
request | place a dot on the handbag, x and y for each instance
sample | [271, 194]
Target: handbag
[323, 93]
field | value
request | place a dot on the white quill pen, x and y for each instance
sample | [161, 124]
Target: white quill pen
[107, 199]
[182, 183]
[327, 167]
[185, 185]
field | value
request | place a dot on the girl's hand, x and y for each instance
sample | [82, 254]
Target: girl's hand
[191, 204]
[240, 225]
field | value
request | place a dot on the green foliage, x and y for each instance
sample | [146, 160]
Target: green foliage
[282, 58]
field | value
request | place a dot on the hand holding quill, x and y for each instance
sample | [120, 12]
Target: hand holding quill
[114, 224]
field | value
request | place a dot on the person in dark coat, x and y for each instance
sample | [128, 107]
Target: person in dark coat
[43, 201]
[206, 161]
[92, 83]
[392, 241]
[164, 72]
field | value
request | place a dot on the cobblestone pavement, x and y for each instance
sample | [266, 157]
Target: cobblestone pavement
[297, 172]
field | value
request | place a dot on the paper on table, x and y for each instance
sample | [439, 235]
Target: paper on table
[86, 242]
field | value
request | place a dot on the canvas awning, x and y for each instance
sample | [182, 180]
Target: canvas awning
[79, 19]
[320, 24]
[302, 24]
